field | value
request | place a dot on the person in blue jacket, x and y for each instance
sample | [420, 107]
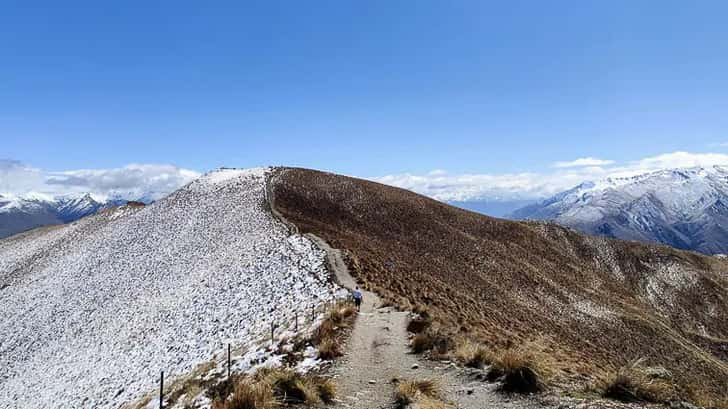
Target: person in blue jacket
[357, 299]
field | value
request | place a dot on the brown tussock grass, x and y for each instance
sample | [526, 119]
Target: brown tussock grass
[411, 392]
[291, 386]
[248, 394]
[473, 355]
[327, 335]
[274, 388]
[634, 383]
[525, 369]
[329, 348]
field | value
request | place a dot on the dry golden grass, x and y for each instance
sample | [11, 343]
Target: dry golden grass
[273, 388]
[424, 393]
[326, 389]
[327, 329]
[633, 383]
[291, 386]
[339, 315]
[525, 369]
[329, 348]
[326, 336]
[249, 394]
[473, 355]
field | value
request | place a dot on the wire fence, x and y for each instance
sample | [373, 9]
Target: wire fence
[315, 308]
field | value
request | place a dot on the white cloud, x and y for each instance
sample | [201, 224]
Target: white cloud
[132, 181]
[15, 176]
[583, 162]
[532, 185]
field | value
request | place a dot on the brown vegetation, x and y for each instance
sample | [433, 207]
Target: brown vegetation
[473, 355]
[248, 395]
[425, 392]
[272, 388]
[635, 383]
[525, 369]
[600, 301]
[433, 341]
[327, 336]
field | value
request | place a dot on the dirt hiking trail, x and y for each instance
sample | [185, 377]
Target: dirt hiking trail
[377, 354]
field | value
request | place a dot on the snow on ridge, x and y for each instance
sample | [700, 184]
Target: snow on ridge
[95, 309]
[225, 174]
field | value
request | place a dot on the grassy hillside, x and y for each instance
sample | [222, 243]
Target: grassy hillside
[597, 303]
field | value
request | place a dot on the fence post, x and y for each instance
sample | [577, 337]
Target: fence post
[313, 312]
[161, 391]
[272, 329]
[228, 361]
[296, 330]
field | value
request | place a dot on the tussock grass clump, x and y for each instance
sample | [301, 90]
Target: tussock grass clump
[292, 387]
[221, 390]
[522, 370]
[431, 340]
[326, 330]
[635, 383]
[249, 395]
[341, 313]
[473, 355]
[273, 388]
[329, 348]
[326, 335]
[326, 389]
[409, 392]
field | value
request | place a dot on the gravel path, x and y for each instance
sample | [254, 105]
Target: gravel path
[377, 353]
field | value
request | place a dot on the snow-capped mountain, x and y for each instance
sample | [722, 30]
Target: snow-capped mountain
[683, 208]
[20, 213]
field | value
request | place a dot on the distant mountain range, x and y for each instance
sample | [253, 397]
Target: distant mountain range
[683, 208]
[20, 213]
[493, 207]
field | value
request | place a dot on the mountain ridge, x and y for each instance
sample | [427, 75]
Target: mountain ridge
[684, 208]
[20, 213]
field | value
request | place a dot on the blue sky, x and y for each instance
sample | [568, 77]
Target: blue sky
[369, 88]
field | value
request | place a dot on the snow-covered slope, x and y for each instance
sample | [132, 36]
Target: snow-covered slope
[684, 208]
[91, 311]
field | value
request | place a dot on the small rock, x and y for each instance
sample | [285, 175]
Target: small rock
[415, 366]
[372, 382]
[469, 391]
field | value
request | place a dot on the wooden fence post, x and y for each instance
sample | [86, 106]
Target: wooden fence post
[228, 361]
[161, 391]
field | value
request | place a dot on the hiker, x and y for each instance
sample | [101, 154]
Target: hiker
[357, 299]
